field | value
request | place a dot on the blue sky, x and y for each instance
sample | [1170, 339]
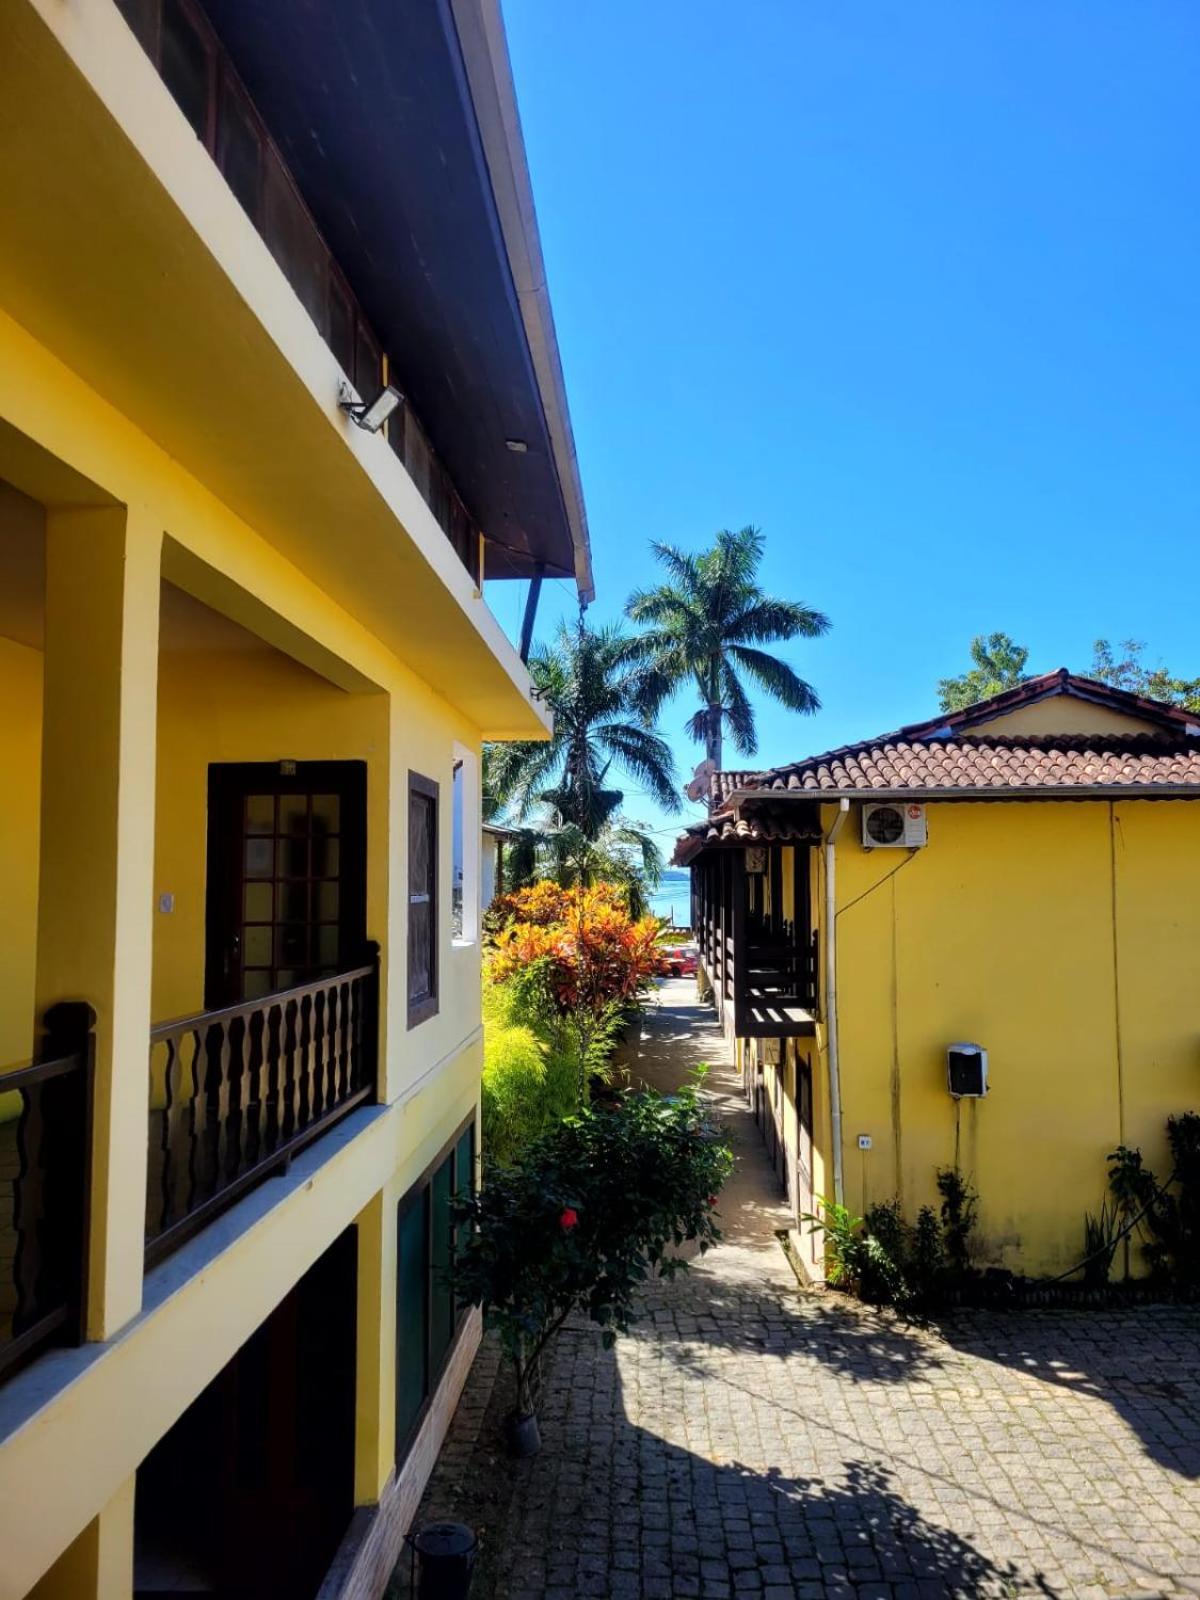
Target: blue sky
[915, 287]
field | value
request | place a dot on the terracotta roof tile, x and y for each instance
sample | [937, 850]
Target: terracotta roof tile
[980, 764]
[726, 828]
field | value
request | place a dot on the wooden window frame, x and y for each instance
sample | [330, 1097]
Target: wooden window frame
[427, 1006]
[412, 1197]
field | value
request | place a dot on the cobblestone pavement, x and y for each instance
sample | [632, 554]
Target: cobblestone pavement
[750, 1438]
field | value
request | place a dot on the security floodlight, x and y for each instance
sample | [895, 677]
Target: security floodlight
[517, 446]
[369, 415]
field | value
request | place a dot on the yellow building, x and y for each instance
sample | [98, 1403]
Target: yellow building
[247, 668]
[1022, 877]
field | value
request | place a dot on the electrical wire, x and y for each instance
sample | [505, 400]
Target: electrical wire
[1110, 1246]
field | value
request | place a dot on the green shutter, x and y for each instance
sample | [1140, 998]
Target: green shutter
[412, 1317]
[441, 1320]
[464, 1164]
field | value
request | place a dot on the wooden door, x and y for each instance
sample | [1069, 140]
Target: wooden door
[286, 875]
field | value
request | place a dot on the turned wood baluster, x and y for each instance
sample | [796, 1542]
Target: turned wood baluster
[353, 1029]
[29, 1206]
[319, 1042]
[271, 1110]
[333, 1060]
[222, 1103]
[291, 1086]
[196, 1118]
[304, 1023]
[172, 1124]
[344, 1039]
[252, 1086]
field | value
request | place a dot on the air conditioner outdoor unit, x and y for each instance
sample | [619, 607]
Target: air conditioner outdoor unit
[891, 825]
[967, 1071]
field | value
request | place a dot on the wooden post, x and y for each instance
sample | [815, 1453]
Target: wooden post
[531, 605]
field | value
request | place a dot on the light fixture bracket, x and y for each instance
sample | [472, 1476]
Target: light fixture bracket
[370, 415]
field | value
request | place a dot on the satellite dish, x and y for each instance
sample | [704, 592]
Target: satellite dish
[701, 780]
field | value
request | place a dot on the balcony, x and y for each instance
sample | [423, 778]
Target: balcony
[762, 963]
[775, 982]
[45, 1117]
[235, 1095]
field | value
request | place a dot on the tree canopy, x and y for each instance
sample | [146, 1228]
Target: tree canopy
[705, 626]
[587, 679]
[998, 663]
[1128, 671]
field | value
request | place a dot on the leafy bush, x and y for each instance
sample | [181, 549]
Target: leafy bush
[927, 1264]
[887, 1262]
[857, 1259]
[530, 1072]
[574, 962]
[594, 952]
[1168, 1223]
[1101, 1235]
[593, 1208]
[959, 1201]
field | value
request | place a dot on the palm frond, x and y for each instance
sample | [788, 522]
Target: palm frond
[777, 679]
[696, 726]
[681, 564]
[766, 621]
[739, 713]
[644, 756]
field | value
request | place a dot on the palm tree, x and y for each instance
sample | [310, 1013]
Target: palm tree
[622, 854]
[585, 678]
[705, 627]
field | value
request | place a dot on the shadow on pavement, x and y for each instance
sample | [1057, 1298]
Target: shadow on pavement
[1143, 1363]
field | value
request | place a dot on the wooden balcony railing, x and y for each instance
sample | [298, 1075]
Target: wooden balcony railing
[779, 967]
[235, 1093]
[45, 1139]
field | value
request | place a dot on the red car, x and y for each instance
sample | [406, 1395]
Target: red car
[680, 960]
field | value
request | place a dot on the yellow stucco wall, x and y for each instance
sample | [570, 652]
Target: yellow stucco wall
[20, 762]
[1065, 937]
[1047, 716]
[174, 410]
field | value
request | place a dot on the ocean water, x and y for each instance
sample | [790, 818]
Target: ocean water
[673, 897]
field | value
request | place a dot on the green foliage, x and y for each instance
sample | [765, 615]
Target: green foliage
[998, 664]
[882, 1279]
[928, 1267]
[1129, 672]
[623, 854]
[1166, 1216]
[526, 1088]
[843, 1234]
[959, 1201]
[536, 1062]
[705, 626]
[594, 1207]
[1101, 1235]
[587, 681]
[887, 1262]
[857, 1258]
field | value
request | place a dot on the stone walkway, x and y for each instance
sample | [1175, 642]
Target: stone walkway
[751, 1438]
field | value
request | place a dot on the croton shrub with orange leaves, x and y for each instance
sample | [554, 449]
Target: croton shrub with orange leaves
[593, 953]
